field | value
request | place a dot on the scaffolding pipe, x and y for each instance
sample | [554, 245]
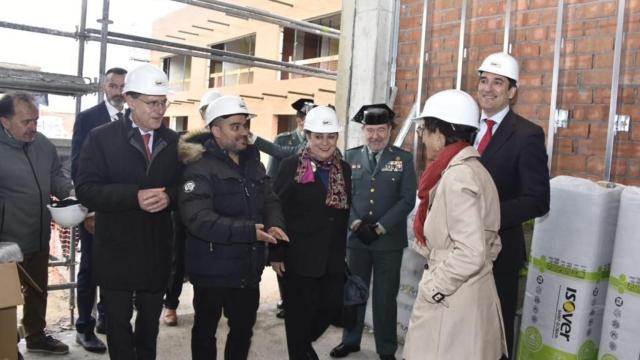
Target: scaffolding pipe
[406, 126]
[103, 46]
[63, 286]
[171, 47]
[72, 273]
[207, 53]
[81, 44]
[250, 13]
[461, 49]
[391, 80]
[423, 57]
[551, 129]
[613, 104]
[216, 52]
[56, 84]
[507, 28]
[37, 29]
[415, 109]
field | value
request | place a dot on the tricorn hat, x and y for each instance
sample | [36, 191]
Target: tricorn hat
[374, 114]
[303, 105]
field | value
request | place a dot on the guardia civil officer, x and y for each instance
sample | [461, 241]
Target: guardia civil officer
[383, 182]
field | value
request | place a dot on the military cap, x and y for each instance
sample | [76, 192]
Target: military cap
[303, 105]
[374, 114]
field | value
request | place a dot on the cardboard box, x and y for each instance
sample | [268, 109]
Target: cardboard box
[10, 297]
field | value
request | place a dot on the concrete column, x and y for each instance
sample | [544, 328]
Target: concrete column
[366, 37]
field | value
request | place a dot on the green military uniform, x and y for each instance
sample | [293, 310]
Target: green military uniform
[283, 146]
[288, 143]
[384, 195]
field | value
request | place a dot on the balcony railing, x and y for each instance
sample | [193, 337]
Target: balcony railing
[230, 78]
[179, 85]
[326, 62]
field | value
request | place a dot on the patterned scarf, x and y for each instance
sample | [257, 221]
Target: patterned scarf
[336, 191]
[428, 180]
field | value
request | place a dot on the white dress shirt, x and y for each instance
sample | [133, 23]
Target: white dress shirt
[497, 117]
[113, 112]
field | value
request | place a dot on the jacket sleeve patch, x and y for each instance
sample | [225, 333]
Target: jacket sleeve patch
[189, 186]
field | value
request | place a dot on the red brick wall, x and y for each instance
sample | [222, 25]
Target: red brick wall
[585, 70]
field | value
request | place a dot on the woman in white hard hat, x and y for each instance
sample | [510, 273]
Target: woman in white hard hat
[314, 187]
[456, 314]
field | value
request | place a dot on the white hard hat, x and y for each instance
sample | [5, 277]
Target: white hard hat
[322, 119]
[452, 106]
[148, 80]
[69, 215]
[209, 97]
[501, 64]
[226, 105]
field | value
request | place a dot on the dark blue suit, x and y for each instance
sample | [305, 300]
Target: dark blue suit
[85, 121]
[516, 158]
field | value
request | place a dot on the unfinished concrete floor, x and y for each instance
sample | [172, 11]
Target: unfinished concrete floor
[269, 342]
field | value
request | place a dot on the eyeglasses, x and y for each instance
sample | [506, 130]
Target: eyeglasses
[155, 104]
[420, 130]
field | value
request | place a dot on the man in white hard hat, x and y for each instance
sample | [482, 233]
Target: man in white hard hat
[174, 289]
[208, 97]
[230, 210]
[30, 172]
[128, 174]
[513, 151]
[110, 109]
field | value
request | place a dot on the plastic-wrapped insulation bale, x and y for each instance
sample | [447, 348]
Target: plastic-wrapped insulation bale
[567, 275]
[621, 323]
[410, 274]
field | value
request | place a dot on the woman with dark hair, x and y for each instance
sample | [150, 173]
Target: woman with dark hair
[314, 187]
[456, 314]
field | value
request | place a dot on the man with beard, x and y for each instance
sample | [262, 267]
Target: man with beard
[111, 109]
[128, 174]
[384, 183]
[230, 210]
[30, 173]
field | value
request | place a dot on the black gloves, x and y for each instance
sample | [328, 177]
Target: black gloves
[367, 233]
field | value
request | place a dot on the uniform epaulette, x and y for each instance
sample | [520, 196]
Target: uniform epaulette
[399, 149]
[355, 148]
[287, 133]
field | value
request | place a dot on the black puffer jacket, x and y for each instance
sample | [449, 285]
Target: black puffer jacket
[220, 203]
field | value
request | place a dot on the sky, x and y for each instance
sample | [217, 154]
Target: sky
[60, 55]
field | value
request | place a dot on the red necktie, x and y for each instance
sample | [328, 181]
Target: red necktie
[146, 138]
[487, 136]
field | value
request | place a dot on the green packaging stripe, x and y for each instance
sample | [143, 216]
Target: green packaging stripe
[543, 265]
[532, 348]
[621, 284]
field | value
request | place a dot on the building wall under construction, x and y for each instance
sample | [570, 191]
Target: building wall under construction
[585, 70]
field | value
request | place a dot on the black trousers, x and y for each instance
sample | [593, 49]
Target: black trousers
[86, 291]
[240, 307]
[507, 287]
[176, 279]
[312, 303]
[123, 342]
[34, 310]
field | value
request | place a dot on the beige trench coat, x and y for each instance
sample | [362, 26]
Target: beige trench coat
[462, 243]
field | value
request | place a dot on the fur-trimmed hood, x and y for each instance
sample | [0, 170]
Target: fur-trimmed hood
[191, 145]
